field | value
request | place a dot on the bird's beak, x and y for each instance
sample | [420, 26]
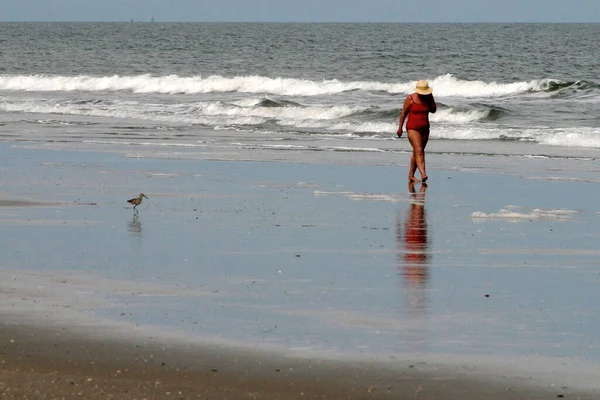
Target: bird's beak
[145, 196]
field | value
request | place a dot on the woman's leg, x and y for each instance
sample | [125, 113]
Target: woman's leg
[418, 141]
[412, 168]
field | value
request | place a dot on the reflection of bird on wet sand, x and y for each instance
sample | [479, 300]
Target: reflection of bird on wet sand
[413, 256]
[135, 226]
[137, 201]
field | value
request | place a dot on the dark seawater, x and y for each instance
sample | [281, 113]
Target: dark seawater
[291, 90]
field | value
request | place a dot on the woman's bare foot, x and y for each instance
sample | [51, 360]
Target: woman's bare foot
[424, 179]
[413, 179]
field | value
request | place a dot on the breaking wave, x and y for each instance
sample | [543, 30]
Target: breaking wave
[445, 85]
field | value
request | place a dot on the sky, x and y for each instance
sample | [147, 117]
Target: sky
[303, 10]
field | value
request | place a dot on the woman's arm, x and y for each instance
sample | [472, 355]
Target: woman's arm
[432, 105]
[404, 114]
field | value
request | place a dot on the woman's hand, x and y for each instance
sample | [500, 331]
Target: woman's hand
[399, 132]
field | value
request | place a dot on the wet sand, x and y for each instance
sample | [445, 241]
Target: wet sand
[282, 281]
[54, 363]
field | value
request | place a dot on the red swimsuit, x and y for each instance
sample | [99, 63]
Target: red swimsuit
[418, 117]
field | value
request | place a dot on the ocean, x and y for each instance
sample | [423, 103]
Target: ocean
[302, 92]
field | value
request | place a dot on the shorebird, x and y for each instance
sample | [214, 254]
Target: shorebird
[137, 201]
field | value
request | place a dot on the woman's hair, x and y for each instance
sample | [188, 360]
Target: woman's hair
[425, 98]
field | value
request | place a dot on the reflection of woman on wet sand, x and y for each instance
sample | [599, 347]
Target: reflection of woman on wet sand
[414, 240]
[413, 259]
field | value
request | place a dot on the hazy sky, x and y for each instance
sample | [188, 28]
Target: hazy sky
[303, 10]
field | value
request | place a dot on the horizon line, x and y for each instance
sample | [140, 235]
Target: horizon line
[150, 21]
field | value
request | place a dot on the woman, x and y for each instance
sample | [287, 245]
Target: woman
[417, 107]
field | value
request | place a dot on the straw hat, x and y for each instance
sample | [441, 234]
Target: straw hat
[422, 87]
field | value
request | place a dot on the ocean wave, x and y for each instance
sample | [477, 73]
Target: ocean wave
[277, 103]
[585, 137]
[449, 85]
[56, 122]
[469, 133]
[174, 84]
[552, 85]
[577, 89]
[456, 116]
[445, 85]
[581, 137]
[292, 112]
[464, 120]
[269, 110]
[250, 111]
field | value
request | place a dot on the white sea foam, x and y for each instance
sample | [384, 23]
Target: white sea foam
[321, 120]
[375, 197]
[559, 137]
[130, 143]
[280, 146]
[465, 133]
[189, 85]
[448, 85]
[125, 111]
[458, 116]
[445, 85]
[389, 198]
[512, 213]
[318, 117]
[334, 193]
[249, 101]
[349, 126]
[580, 137]
[292, 113]
[356, 149]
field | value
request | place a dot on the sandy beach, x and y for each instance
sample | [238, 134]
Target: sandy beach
[281, 280]
[55, 364]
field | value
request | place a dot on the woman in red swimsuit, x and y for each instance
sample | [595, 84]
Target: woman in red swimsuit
[417, 107]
